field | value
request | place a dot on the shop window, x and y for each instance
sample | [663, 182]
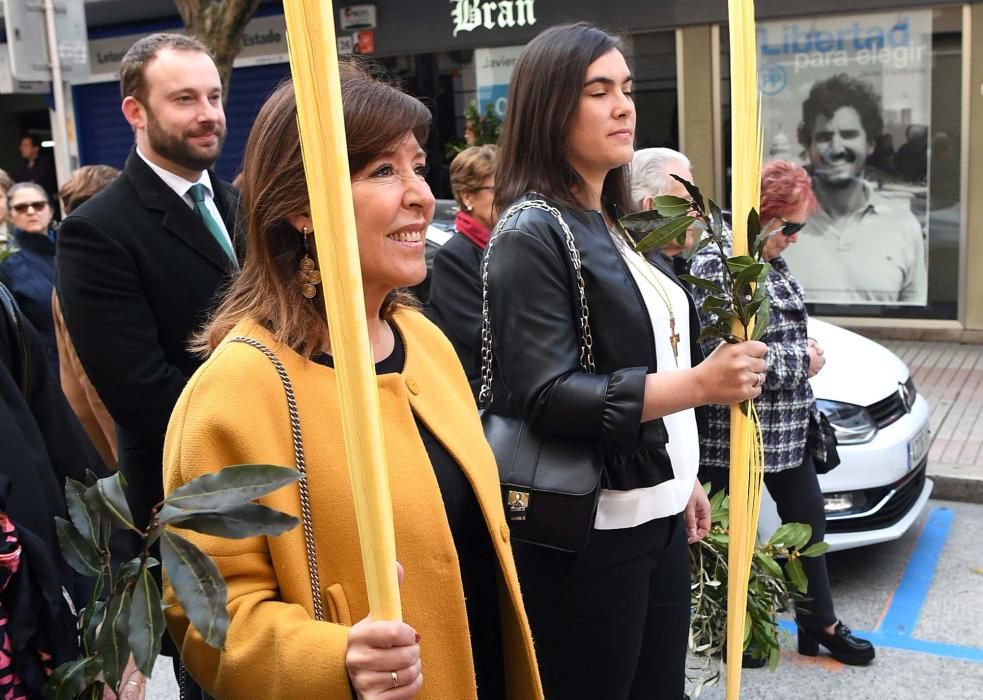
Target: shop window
[652, 58]
[870, 104]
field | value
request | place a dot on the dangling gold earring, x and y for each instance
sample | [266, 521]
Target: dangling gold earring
[308, 277]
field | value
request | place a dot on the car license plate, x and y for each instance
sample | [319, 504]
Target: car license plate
[918, 448]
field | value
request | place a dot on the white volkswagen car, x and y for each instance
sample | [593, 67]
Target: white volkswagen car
[881, 425]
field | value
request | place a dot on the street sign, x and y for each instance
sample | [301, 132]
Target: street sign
[354, 18]
[28, 46]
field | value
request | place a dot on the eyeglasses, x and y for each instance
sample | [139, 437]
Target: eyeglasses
[486, 187]
[790, 228]
[24, 206]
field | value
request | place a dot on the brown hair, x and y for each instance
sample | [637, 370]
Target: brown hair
[470, 168]
[84, 184]
[377, 116]
[145, 50]
[6, 182]
[543, 98]
[784, 186]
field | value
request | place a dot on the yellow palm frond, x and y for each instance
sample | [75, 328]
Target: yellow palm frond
[746, 451]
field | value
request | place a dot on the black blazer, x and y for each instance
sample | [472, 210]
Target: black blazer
[455, 302]
[536, 342]
[137, 274]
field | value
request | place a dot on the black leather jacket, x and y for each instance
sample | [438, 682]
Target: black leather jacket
[535, 325]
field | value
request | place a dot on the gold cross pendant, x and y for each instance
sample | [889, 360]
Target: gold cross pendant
[674, 338]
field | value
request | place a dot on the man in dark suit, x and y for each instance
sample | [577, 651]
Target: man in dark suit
[140, 264]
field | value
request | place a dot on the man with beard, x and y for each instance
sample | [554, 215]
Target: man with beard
[139, 264]
[862, 246]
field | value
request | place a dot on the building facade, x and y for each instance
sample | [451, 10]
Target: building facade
[920, 157]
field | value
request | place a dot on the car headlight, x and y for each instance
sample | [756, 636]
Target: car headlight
[909, 393]
[851, 424]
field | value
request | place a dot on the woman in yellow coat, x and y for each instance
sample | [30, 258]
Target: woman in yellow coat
[465, 633]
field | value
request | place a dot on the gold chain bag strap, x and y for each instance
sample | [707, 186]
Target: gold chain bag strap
[550, 486]
[305, 499]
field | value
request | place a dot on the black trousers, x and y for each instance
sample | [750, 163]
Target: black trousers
[799, 500]
[612, 621]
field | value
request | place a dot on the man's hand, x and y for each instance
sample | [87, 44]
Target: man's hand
[697, 514]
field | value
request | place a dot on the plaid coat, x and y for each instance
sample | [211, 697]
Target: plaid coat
[786, 404]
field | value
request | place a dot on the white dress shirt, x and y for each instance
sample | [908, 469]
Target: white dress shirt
[181, 187]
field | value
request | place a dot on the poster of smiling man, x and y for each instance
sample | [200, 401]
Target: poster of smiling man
[850, 99]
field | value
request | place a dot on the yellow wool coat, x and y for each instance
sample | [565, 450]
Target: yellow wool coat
[233, 411]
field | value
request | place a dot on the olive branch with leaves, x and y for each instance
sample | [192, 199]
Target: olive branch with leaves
[124, 615]
[773, 587]
[742, 297]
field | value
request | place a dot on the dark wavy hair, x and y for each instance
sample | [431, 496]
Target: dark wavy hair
[827, 96]
[543, 97]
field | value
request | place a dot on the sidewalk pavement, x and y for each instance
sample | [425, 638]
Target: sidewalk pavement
[950, 376]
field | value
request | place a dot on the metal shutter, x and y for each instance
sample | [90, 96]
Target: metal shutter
[105, 137]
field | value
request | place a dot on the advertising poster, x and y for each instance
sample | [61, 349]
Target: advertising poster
[493, 71]
[849, 98]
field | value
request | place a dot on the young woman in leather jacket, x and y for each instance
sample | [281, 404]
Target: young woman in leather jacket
[610, 621]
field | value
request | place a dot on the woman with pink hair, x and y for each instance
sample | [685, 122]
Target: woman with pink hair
[790, 422]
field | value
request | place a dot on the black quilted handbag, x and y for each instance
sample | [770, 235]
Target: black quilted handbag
[550, 486]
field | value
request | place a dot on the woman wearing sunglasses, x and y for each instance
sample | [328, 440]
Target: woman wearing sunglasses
[786, 408]
[30, 272]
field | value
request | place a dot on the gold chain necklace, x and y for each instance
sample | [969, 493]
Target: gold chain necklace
[655, 282]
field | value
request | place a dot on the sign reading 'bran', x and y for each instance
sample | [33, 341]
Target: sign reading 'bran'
[469, 15]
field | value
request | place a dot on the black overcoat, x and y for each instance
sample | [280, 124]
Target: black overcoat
[137, 275]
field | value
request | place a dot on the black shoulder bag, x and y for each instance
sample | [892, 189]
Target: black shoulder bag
[821, 442]
[550, 486]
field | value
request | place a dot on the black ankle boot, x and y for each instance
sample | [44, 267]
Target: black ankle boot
[842, 645]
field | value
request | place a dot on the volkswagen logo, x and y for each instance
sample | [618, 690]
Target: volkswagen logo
[907, 399]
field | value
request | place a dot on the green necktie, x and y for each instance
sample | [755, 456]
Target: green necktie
[197, 193]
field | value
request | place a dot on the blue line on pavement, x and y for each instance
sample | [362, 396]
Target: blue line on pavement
[909, 598]
[950, 651]
[910, 595]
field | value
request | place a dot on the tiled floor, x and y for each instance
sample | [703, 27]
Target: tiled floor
[950, 376]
